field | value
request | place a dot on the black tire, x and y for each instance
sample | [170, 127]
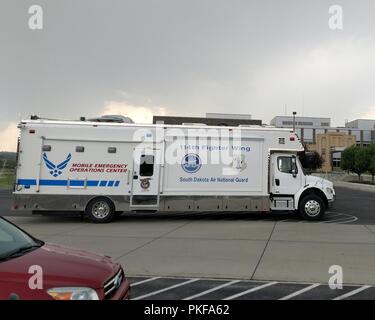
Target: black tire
[100, 210]
[312, 207]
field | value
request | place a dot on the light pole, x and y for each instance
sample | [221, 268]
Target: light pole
[294, 120]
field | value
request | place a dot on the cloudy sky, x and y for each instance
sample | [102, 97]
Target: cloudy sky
[185, 57]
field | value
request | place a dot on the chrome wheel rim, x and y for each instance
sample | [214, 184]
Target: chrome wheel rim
[100, 210]
[312, 208]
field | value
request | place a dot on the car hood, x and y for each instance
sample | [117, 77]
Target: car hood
[62, 266]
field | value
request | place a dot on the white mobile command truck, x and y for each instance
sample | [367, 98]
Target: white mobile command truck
[103, 168]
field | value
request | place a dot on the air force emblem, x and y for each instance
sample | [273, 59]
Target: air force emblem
[56, 170]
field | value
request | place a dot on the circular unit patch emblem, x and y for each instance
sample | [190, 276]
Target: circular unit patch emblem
[145, 183]
[191, 163]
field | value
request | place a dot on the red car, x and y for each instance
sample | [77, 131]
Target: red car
[33, 270]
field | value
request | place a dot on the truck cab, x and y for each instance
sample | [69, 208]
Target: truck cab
[291, 189]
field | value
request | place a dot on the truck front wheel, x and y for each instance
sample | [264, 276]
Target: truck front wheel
[100, 210]
[312, 207]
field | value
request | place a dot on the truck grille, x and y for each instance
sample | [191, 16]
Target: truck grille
[113, 284]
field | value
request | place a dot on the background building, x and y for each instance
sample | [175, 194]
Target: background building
[301, 122]
[363, 129]
[317, 134]
[308, 128]
[330, 146]
[211, 119]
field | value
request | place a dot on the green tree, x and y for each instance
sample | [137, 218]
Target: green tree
[371, 159]
[11, 164]
[347, 159]
[311, 160]
[361, 161]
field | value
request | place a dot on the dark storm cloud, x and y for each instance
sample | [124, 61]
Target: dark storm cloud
[188, 57]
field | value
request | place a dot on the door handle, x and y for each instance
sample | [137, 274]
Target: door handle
[277, 181]
[135, 177]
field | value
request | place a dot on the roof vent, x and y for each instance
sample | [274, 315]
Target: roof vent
[112, 118]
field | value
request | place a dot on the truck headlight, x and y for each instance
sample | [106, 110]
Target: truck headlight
[73, 293]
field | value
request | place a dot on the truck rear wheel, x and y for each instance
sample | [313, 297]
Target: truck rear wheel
[100, 210]
[312, 207]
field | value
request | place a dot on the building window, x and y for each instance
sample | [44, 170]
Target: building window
[336, 163]
[287, 123]
[302, 123]
[324, 124]
[336, 159]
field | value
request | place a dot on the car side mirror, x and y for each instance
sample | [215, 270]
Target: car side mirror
[13, 296]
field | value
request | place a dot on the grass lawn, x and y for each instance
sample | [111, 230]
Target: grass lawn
[6, 178]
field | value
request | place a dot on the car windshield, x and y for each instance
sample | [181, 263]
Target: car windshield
[13, 240]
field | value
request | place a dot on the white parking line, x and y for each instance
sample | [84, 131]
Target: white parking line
[352, 293]
[144, 281]
[341, 220]
[212, 290]
[251, 290]
[351, 219]
[165, 289]
[297, 293]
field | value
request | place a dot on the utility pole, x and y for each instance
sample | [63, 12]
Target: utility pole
[294, 120]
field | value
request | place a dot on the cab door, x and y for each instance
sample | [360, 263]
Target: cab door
[146, 178]
[285, 174]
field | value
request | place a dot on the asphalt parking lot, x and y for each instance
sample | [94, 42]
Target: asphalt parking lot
[214, 249]
[352, 206]
[159, 288]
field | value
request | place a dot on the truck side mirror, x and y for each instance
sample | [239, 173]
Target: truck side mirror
[294, 173]
[294, 167]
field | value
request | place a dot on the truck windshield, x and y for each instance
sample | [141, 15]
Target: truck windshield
[14, 242]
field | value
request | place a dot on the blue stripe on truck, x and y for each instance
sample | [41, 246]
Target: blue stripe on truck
[64, 183]
[27, 182]
[58, 183]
